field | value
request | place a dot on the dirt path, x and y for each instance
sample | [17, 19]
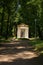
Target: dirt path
[18, 53]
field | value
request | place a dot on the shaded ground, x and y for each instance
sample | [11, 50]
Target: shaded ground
[19, 53]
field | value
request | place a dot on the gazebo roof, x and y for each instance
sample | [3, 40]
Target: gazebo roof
[22, 25]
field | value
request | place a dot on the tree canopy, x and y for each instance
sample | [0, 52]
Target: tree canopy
[13, 12]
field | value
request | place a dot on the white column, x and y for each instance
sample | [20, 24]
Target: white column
[26, 32]
[18, 32]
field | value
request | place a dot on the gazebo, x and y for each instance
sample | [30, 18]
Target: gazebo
[22, 31]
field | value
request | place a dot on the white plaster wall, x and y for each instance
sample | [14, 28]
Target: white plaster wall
[18, 32]
[26, 32]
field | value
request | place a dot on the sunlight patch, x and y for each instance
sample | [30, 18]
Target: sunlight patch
[22, 55]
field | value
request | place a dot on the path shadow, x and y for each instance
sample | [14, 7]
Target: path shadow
[34, 61]
[14, 49]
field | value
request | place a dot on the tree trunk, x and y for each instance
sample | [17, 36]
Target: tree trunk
[7, 33]
[40, 33]
[2, 20]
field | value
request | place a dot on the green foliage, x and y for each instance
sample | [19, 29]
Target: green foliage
[13, 12]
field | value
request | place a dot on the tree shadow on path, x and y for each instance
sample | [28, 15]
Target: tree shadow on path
[19, 53]
[19, 61]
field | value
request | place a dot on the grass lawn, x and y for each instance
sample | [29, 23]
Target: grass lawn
[38, 45]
